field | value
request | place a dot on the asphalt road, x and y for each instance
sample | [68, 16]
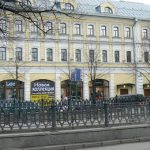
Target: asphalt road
[131, 146]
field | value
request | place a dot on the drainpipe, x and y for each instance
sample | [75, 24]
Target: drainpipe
[134, 52]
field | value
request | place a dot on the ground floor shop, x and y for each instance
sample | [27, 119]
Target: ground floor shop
[37, 87]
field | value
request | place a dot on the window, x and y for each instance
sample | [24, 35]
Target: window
[69, 6]
[49, 27]
[34, 27]
[19, 54]
[91, 56]
[18, 26]
[145, 33]
[90, 30]
[103, 31]
[3, 25]
[2, 53]
[34, 54]
[127, 32]
[77, 29]
[63, 55]
[104, 55]
[108, 10]
[78, 55]
[146, 57]
[63, 29]
[115, 31]
[117, 59]
[49, 54]
[128, 56]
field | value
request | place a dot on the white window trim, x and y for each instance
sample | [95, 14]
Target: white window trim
[107, 56]
[119, 30]
[31, 53]
[46, 54]
[93, 29]
[126, 56]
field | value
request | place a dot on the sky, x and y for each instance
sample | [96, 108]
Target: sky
[139, 1]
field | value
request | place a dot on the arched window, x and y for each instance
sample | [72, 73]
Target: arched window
[69, 6]
[103, 30]
[115, 31]
[108, 10]
[63, 28]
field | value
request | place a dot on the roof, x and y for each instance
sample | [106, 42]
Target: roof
[123, 8]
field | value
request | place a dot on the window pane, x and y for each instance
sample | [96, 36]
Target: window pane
[49, 54]
[146, 56]
[19, 53]
[116, 32]
[77, 29]
[103, 31]
[145, 33]
[62, 28]
[18, 25]
[104, 54]
[108, 10]
[116, 56]
[34, 54]
[78, 55]
[2, 53]
[63, 55]
[69, 6]
[128, 56]
[91, 55]
[3, 25]
[90, 30]
[49, 27]
[34, 27]
[127, 32]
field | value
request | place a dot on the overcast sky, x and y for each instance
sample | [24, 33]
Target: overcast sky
[140, 1]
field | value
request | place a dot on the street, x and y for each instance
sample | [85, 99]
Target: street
[131, 146]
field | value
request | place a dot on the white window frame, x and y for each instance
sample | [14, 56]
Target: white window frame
[18, 25]
[90, 30]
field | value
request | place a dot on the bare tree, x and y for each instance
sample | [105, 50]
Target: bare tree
[34, 11]
[93, 64]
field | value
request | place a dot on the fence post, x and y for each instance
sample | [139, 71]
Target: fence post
[106, 114]
[53, 107]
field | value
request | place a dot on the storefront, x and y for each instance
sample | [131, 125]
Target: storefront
[125, 89]
[42, 90]
[10, 89]
[146, 88]
[102, 88]
[72, 88]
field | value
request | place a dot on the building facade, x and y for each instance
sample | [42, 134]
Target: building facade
[115, 35]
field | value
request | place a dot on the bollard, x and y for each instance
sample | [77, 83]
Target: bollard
[106, 114]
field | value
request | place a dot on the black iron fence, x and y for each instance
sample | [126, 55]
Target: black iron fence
[71, 114]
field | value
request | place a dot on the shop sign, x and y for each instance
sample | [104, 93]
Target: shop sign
[10, 83]
[42, 90]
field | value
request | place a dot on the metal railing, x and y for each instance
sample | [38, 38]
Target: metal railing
[71, 114]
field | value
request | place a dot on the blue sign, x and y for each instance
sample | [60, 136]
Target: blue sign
[76, 75]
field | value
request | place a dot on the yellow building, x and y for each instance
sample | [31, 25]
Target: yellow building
[113, 34]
